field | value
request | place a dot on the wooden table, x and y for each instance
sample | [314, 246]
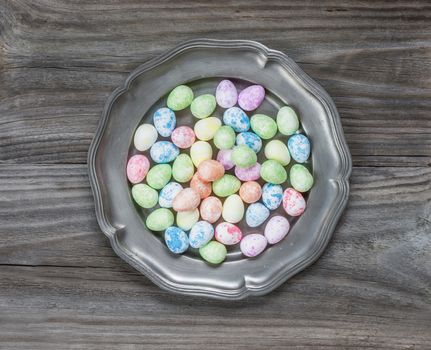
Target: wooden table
[61, 285]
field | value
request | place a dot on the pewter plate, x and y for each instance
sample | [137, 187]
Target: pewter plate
[201, 64]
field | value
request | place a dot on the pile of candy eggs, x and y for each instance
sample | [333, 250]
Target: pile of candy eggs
[200, 182]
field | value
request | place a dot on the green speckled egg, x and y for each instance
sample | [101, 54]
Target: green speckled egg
[243, 156]
[263, 126]
[226, 185]
[300, 178]
[273, 172]
[158, 176]
[277, 150]
[287, 120]
[182, 168]
[203, 106]
[224, 138]
[144, 195]
[181, 97]
[160, 219]
[214, 252]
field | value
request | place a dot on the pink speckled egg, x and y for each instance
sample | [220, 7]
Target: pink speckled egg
[250, 98]
[276, 229]
[186, 200]
[211, 209]
[137, 168]
[248, 174]
[253, 244]
[210, 170]
[293, 202]
[183, 137]
[224, 156]
[202, 187]
[226, 94]
[250, 191]
[227, 233]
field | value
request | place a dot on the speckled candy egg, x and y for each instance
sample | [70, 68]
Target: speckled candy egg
[210, 170]
[176, 240]
[164, 121]
[159, 175]
[183, 137]
[182, 168]
[224, 156]
[256, 214]
[237, 119]
[201, 233]
[287, 120]
[205, 129]
[273, 172]
[264, 126]
[277, 150]
[211, 209]
[301, 178]
[186, 219]
[276, 229]
[248, 174]
[227, 233]
[202, 187]
[203, 106]
[226, 94]
[187, 199]
[179, 98]
[200, 151]
[251, 97]
[145, 136]
[272, 195]
[293, 202]
[214, 252]
[224, 138]
[243, 156]
[226, 185]
[137, 168]
[253, 244]
[168, 193]
[164, 152]
[250, 192]
[160, 219]
[299, 147]
[144, 195]
[233, 209]
[249, 139]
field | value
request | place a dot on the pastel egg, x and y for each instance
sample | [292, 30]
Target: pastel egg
[201, 233]
[277, 150]
[179, 98]
[205, 129]
[182, 168]
[243, 156]
[226, 94]
[210, 170]
[137, 168]
[224, 156]
[159, 175]
[183, 137]
[145, 136]
[164, 152]
[186, 219]
[237, 119]
[144, 195]
[256, 214]
[248, 174]
[272, 195]
[202, 187]
[187, 199]
[253, 244]
[214, 252]
[168, 193]
[263, 126]
[250, 192]
[301, 178]
[287, 120]
[276, 229]
[200, 151]
[203, 106]
[160, 219]
[249, 139]
[164, 121]
[226, 185]
[176, 240]
[299, 147]
[293, 202]
[273, 172]
[211, 209]
[251, 97]
[233, 209]
[224, 138]
[227, 233]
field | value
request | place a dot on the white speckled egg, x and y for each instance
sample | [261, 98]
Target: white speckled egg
[276, 229]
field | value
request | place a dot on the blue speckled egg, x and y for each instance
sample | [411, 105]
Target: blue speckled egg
[201, 233]
[164, 121]
[168, 193]
[236, 118]
[176, 240]
[256, 214]
[299, 147]
[249, 139]
[272, 195]
[164, 152]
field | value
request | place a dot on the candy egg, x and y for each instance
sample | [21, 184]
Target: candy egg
[227, 233]
[179, 98]
[249, 139]
[200, 151]
[248, 174]
[256, 214]
[168, 193]
[160, 219]
[273, 172]
[293, 202]
[299, 147]
[276, 229]
[158, 176]
[287, 120]
[226, 94]
[211, 209]
[253, 244]
[183, 137]
[278, 151]
[187, 199]
[205, 129]
[251, 97]
[272, 195]
[182, 168]
[213, 252]
[176, 240]
[202, 187]
[164, 121]
[145, 136]
[233, 209]
[186, 219]
[203, 106]
[224, 138]
[164, 152]
[210, 170]
[243, 156]
[300, 178]
[137, 168]
[224, 156]
[250, 191]
[144, 195]
[237, 119]
[201, 233]
[263, 126]
[226, 185]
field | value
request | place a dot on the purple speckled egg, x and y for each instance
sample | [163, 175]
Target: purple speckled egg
[226, 94]
[250, 98]
[253, 244]
[224, 156]
[276, 229]
[251, 173]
